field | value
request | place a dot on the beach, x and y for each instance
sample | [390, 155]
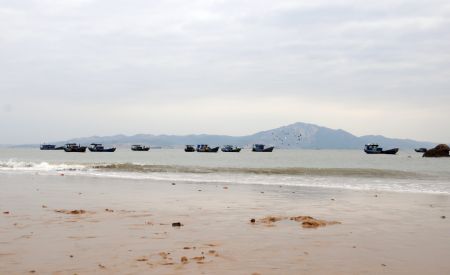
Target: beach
[69, 224]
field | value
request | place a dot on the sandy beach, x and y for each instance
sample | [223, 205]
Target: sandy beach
[124, 226]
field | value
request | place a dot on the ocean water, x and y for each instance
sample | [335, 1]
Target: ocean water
[347, 169]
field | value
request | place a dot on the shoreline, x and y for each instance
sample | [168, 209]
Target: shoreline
[380, 232]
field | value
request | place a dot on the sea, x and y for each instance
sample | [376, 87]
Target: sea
[342, 169]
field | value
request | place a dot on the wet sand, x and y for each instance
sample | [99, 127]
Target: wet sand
[86, 225]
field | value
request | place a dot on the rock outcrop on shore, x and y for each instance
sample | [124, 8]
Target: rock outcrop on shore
[442, 150]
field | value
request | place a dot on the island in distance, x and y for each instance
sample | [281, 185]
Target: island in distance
[294, 136]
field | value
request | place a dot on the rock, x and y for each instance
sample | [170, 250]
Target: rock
[6, 212]
[252, 220]
[184, 259]
[442, 150]
[442, 217]
[176, 224]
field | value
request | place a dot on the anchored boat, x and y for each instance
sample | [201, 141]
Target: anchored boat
[421, 150]
[139, 148]
[189, 148]
[261, 148]
[204, 148]
[50, 147]
[231, 149]
[73, 147]
[373, 148]
[97, 147]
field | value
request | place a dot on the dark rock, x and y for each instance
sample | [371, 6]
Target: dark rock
[176, 224]
[442, 150]
[252, 220]
[442, 217]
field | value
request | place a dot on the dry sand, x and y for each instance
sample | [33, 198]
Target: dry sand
[85, 225]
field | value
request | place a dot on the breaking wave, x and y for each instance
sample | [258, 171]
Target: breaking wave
[291, 171]
[343, 178]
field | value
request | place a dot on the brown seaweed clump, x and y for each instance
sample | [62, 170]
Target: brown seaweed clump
[72, 212]
[310, 222]
[271, 219]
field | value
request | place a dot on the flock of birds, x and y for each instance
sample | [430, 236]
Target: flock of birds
[285, 138]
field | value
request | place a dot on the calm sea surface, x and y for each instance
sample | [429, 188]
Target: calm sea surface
[349, 169]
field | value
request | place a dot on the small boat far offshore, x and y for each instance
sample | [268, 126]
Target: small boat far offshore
[97, 147]
[204, 148]
[261, 148]
[421, 150]
[230, 149]
[50, 147]
[72, 147]
[373, 148]
[139, 148]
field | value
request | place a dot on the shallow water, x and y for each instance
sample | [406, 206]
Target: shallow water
[348, 169]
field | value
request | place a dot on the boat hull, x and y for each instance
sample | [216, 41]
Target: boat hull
[81, 149]
[140, 150]
[110, 150]
[383, 152]
[237, 150]
[269, 149]
[189, 150]
[208, 150]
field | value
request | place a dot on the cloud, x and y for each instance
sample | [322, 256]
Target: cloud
[121, 53]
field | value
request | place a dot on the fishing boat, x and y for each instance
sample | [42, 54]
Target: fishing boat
[261, 148]
[373, 148]
[139, 148]
[421, 150]
[73, 147]
[204, 148]
[189, 148]
[231, 149]
[48, 147]
[97, 147]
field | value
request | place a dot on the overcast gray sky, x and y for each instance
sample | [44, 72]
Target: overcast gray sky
[99, 67]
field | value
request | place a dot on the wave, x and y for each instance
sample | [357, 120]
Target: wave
[344, 178]
[176, 169]
[291, 171]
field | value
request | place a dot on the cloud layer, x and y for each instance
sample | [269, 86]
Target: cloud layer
[234, 67]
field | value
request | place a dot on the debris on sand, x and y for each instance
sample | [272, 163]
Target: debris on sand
[109, 210]
[443, 217]
[252, 220]
[177, 224]
[44, 206]
[101, 266]
[307, 221]
[32, 271]
[173, 183]
[73, 212]
[269, 220]
[199, 258]
[142, 259]
[184, 260]
[310, 222]
[186, 247]
[225, 187]
[6, 212]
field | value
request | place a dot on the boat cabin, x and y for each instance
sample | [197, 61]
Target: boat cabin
[97, 146]
[258, 146]
[372, 147]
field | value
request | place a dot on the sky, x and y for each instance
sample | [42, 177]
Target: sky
[77, 68]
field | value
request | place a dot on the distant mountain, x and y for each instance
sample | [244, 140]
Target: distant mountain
[294, 136]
